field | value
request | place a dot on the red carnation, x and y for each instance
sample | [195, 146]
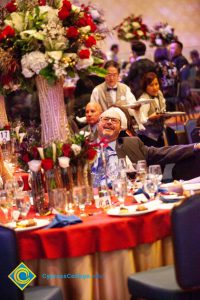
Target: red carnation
[72, 32]
[42, 2]
[63, 13]
[26, 158]
[8, 32]
[84, 54]
[91, 153]
[90, 42]
[11, 6]
[47, 164]
[66, 149]
[67, 4]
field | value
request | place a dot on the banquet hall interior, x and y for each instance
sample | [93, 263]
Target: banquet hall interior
[100, 153]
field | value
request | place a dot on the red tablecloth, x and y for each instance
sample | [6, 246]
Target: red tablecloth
[96, 234]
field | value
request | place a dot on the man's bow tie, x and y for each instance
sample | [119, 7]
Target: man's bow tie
[111, 89]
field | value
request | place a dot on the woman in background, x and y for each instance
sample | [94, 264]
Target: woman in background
[151, 114]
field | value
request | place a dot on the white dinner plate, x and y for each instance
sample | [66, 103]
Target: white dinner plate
[141, 101]
[131, 211]
[171, 198]
[40, 223]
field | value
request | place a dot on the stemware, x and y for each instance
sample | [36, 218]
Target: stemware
[150, 187]
[80, 197]
[155, 172]
[23, 203]
[120, 190]
[20, 183]
[141, 170]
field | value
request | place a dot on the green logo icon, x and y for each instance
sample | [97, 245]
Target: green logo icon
[21, 276]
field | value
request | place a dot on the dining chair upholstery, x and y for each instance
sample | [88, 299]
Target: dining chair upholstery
[8, 262]
[182, 280]
[189, 126]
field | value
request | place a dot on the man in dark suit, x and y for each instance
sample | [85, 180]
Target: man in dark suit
[92, 112]
[109, 127]
[138, 68]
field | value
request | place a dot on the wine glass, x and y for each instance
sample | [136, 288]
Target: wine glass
[155, 173]
[120, 190]
[20, 183]
[141, 170]
[150, 187]
[11, 187]
[131, 173]
[80, 197]
[23, 203]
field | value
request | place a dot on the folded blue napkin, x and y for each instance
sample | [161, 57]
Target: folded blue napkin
[62, 221]
[141, 191]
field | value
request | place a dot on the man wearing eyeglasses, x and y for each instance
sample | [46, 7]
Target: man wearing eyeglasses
[112, 92]
[110, 124]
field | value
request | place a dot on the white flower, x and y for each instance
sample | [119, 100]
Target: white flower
[33, 63]
[34, 165]
[51, 13]
[85, 133]
[158, 41]
[16, 21]
[85, 29]
[75, 8]
[21, 136]
[76, 149]
[140, 32]
[95, 14]
[63, 161]
[136, 25]
[84, 63]
[129, 35]
[56, 55]
[41, 152]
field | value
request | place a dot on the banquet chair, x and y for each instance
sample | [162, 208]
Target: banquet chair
[182, 280]
[8, 262]
[189, 126]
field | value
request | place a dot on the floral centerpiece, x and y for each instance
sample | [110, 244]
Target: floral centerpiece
[43, 41]
[132, 28]
[161, 35]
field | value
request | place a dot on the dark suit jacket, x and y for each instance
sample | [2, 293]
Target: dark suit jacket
[136, 72]
[134, 148]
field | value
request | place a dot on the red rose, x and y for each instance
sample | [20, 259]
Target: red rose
[7, 127]
[8, 32]
[66, 149]
[11, 6]
[5, 79]
[47, 164]
[92, 25]
[63, 13]
[82, 22]
[26, 158]
[90, 42]
[72, 32]
[42, 2]
[2, 37]
[67, 5]
[91, 153]
[35, 152]
[84, 54]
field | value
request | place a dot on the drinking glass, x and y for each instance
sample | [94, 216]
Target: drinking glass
[141, 170]
[80, 197]
[112, 171]
[11, 187]
[5, 207]
[155, 173]
[22, 203]
[120, 190]
[59, 199]
[150, 187]
[20, 183]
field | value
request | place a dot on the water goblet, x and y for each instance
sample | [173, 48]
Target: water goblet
[80, 197]
[22, 203]
[155, 172]
[150, 187]
[20, 183]
[120, 190]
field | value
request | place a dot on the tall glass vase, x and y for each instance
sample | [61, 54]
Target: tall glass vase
[3, 114]
[40, 202]
[52, 110]
[53, 181]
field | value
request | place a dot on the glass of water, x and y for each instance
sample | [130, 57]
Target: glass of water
[23, 203]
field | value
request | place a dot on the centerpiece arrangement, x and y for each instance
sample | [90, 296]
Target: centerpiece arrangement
[162, 35]
[132, 28]
[42, 42]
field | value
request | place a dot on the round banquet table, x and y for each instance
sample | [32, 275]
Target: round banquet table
[104, 246]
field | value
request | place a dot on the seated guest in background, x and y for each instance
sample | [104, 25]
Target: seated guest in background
[109, 127]
[114, 92]
[138, 68]
[92, 112]
[151, 113]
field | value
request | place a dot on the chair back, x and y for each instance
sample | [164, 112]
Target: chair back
[189, 126]
[186, 240]
[8, 262]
